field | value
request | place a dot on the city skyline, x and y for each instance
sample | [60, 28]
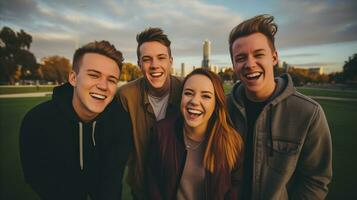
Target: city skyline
[310, 34]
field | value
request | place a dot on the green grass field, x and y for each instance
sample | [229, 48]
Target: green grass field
[25, 89]
[328, 93]
[341, 117]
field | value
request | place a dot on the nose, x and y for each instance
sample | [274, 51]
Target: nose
[102, 84]
[194, 100]
[154, 63]
[250, 61]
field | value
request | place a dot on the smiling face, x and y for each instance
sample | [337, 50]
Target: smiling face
[155, 63]
[94, 85]
[197, 102]
[253, 61]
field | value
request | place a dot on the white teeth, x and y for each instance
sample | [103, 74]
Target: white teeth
[196, 112]
[156, 74]
[98, 96]
[252, 75]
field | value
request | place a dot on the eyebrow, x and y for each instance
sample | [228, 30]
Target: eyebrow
[98, 72]
[147, 56]
[258, 50]
[255, 51]
[205, 91]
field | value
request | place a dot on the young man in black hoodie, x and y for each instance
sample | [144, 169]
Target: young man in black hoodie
[76, 144]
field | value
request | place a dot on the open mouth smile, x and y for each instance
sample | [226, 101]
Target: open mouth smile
[194, 112]
[156, 74]
[97, 96]
[253, 75]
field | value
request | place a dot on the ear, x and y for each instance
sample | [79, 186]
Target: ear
[139, 65]
[171, 60]
[72, 78]
[275, 58]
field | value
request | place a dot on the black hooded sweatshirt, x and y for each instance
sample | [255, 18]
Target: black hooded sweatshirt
[65, 158]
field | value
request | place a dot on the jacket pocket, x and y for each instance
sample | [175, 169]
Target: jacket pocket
[282, 155]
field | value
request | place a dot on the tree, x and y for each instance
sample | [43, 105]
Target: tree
[16, 61]
[129, 72]
[350, 69]
[55, 69]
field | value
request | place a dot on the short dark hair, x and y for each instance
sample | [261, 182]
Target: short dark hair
[259, 24]
[102, 47]
[150, 35]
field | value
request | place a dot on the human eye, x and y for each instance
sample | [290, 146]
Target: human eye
[259, 55]
[188, 93]
[239, 59]
[146, 59]
[113, 81]
[206, 96]
[93, 75]
[162, 57]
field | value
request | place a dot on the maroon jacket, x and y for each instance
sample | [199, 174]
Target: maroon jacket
[167, 156]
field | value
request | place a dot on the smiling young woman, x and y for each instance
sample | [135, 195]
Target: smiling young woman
[197, 154]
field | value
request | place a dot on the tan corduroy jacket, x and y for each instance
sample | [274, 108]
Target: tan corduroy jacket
[134, 98]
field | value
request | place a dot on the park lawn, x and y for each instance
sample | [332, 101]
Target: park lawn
[328, 92]
[341, 117]
[312, 92]
[25, 89]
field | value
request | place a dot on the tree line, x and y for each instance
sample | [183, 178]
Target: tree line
[18, 63]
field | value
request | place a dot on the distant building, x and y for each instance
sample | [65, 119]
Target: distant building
[317, 70]
[183, 70]
[206, 54]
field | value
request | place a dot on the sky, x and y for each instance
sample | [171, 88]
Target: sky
[311, 33]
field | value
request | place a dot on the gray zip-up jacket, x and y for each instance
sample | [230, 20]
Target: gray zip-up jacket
[292, 148]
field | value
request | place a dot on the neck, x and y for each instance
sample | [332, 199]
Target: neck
[197, 134]
[263, 95]
[84, 116]
[159, 92]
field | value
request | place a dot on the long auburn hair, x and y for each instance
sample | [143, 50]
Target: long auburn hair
[224, 143]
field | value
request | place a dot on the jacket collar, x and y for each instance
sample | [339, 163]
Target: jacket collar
[284, 89]
[174, 95]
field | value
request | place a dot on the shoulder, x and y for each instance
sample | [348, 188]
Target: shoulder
[41, 111]
[303, 102]
[176, 81]
[130, 88]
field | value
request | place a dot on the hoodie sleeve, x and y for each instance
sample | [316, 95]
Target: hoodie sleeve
[315, 163]
[35, 158]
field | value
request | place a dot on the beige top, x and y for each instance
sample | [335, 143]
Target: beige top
[192, 183]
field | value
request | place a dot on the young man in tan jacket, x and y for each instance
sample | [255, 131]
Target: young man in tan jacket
[149, 99]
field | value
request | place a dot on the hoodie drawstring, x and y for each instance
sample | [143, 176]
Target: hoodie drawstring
[93, 131]
[81, 145]
[81, 160]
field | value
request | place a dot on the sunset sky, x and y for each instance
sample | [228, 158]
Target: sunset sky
[311, 33]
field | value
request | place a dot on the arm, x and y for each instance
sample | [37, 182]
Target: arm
[314, 168]
[235, 192]
[154, 168]
[35, 159]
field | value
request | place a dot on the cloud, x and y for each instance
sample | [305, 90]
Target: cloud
[314, 64]
[298, 55]
[58, 26]
[305, 23]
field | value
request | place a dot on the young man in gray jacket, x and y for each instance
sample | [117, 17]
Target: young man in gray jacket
[287, 138]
